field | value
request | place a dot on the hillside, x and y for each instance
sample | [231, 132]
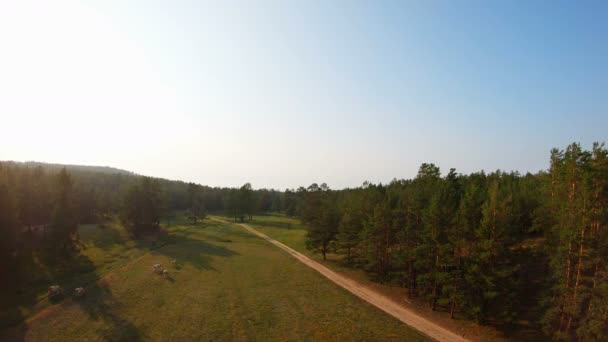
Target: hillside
[52, 167]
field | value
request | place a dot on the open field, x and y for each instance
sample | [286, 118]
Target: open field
[227, 285]
[291, 232]
[402, 313]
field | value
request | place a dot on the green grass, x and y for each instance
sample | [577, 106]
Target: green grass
[103, 248]
[227, 285]
[291, 232]
[287, 230]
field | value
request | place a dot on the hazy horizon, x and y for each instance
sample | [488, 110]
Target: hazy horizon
[254, 186]
[284, 94]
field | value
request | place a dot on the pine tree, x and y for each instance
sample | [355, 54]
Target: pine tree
[570, 204]
[246, 201]
[349, 230]
[408, 235]
[196, 208]
[9, 225]
[436, 253]
[290, 203]
[452, 285]
[143, 206]
[64, 226]
[378, 234]
[593, 312]
[490, 273]
[322, 216]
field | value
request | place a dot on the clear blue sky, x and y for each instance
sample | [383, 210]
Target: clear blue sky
[286, 93]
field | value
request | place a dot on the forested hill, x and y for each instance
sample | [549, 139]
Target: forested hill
[43, 204]
[70, 167]
[98, 191]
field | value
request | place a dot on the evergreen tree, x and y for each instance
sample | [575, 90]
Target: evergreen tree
[349, 231]
[578, 198]
[64, 226]
[290, 203]
[196, 209]
[378, 236]
[9, 226]
[246, 201]
[593, 323]
[322, 216]
[490, 275]
[143, 207]
[463, 238]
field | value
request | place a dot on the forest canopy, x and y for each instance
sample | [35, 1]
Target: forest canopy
[485, 246]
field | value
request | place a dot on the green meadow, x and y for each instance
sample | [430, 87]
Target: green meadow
[225, 285]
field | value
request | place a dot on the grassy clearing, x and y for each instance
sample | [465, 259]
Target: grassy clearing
[292, 232]
[227, 285]
[104, 248]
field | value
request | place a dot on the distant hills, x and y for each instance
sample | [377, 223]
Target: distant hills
[70, 167]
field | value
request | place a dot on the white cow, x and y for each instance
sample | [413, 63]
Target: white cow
[79, 291]
[55, 290]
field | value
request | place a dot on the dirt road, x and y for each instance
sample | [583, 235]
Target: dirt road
[385, 304]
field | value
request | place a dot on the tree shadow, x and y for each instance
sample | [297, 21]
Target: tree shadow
[99, 304]
[229, 236]
[77, 270]
[102, 235]
[191, 251]
[12, 298]
[276, 224]
[24, 292]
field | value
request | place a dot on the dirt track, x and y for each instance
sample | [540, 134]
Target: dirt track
[392, 308]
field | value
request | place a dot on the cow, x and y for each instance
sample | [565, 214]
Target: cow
[157, 268]
[79, 292]
[54, 291]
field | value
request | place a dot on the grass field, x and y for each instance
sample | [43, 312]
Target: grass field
[227, 285]
[292, 232]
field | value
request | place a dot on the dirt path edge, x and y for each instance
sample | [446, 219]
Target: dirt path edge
[385, 304]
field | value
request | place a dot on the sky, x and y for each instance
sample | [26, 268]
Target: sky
[287, 93]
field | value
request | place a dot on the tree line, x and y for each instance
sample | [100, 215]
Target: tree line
[480, 246]
[42, 205]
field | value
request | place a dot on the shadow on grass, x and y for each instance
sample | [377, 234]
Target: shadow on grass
[12, 298]
[263, 222]
[103, 235]
[99, 304]
[213, 231]
[69, 272]
[77, 270]
[34, 271]
[182, 245]
[185, 249]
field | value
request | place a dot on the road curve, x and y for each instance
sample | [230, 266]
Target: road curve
[392, 308]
